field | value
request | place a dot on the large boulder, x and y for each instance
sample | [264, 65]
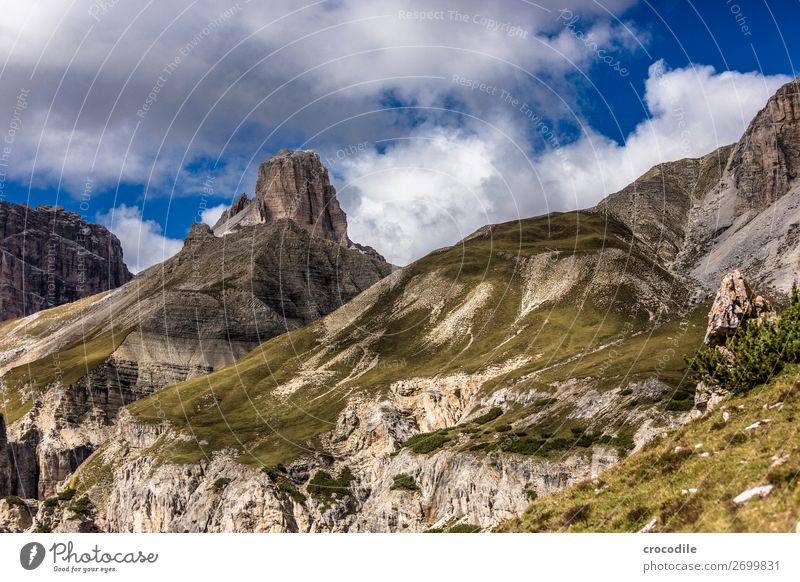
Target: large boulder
[733, 306]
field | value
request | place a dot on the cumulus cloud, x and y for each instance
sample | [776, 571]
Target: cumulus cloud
[425, 191]
[693, 110]
[437, 186]
[210, 216]
[137, 93]
[143, 241]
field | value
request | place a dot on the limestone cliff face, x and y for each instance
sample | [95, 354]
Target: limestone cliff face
[656, 206]
[223, 495]
[766, 161]
[51, 256]
[293, 184]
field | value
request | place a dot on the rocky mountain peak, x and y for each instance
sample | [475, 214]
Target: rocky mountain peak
[766, 160]
[292, 184]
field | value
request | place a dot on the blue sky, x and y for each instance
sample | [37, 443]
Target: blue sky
[434, 119]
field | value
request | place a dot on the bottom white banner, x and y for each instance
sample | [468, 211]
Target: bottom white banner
[408, 557]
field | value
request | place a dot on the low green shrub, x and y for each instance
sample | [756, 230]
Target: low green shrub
[67, 494]
[404, 482]
[326, 489]
[81, 507]
[220, 484]
[274, 471]
[427, 442]
[287, 490]
[755, 352]
[13, 500]
[465, 528]
[493, 413]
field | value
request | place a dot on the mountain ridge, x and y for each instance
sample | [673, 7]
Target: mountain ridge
[530, 356]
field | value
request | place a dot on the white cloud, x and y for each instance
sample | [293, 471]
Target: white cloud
[693, 111]
[211, 215]
[143, 242]
[92, 70]
[425, 191]
[432, 189]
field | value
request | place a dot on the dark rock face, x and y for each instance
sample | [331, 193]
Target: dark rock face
[5, 463]
[294, 185]
[656, 206]
[51, 256]
[766, 160]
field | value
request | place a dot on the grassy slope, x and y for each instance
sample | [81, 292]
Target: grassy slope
[650, 484]
[68, 365]
[235, 407]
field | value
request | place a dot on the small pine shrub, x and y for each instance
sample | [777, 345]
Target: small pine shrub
[326, 489]
[274, 471]
[67, 494]
[492, 414]
[286, 490]
[755, 353]
[404, 482]
[465, 528]
[81, 507]
[427, 442]
[220, 484]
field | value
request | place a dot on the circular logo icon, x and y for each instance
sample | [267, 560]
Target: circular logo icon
[31, 555]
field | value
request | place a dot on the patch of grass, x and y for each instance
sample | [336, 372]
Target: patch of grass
[50, 502]
[687, 492]
[503, 428]
[404, 482]
[14, 500]
[578, 513]
[220, 484]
